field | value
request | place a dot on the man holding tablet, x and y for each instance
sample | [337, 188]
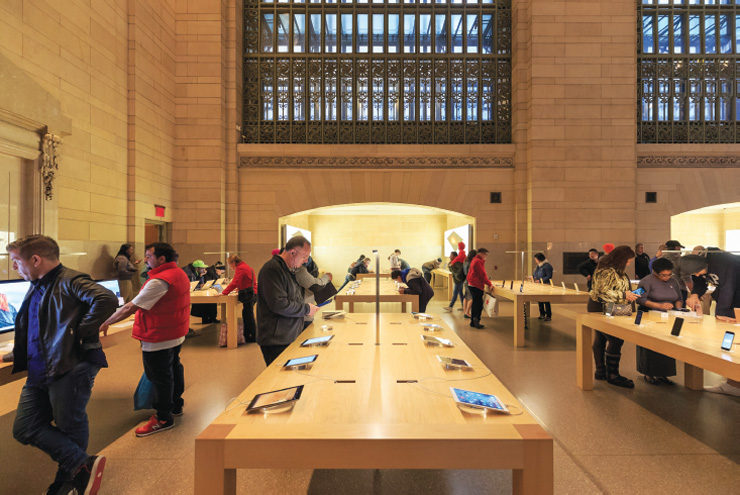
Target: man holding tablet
[280, 302]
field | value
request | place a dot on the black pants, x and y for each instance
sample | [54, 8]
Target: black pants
[603, 343]
[250, 328]
[477, 308]
[545, 309]
[164, 370]
[271, 352]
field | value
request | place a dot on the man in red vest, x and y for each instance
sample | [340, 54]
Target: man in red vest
[162, 316]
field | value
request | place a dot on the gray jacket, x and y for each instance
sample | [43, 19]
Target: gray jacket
[306, 280]
[280, 304]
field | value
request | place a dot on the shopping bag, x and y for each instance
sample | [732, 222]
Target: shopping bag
[239, 334]
[490, 304]
[144, 394]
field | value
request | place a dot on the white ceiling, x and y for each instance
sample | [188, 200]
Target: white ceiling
[726, 208]
[377, 209]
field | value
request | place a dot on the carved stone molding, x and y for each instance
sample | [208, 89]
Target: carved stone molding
[51, 149]
[362, 162]
[663, 161]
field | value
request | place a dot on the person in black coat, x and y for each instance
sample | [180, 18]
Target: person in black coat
[588, 267]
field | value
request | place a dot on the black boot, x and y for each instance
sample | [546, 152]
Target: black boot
[475, 323]
[612, 369]
[600, 371]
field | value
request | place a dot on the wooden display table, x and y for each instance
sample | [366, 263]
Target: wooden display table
[362, 276]
[698, 346]
[447, 276]
[365, 293]
[534, 293]
[355, 413]
[228, 310]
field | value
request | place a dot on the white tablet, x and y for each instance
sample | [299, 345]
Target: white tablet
[317, 341]
[478, 400]
[430, 340]
[450, 362]
[431, 327]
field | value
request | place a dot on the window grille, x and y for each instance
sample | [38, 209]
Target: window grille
[377, 71]
[688, 71]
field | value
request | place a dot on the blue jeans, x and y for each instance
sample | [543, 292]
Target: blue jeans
[457, 291]
[63, 401]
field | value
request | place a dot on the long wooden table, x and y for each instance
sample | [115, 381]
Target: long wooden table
[228, 310]
[698, 345]
[355, 413]
[365, 293]
[534, 293]
[447, 276]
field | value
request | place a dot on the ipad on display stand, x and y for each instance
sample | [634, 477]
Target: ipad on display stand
[276, 401]
[451, 363]
[301, 363]
[317, 341]
[477, 402]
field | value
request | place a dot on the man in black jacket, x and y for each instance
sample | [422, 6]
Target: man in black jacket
[588, 267]
[280, 303]
[57, 342]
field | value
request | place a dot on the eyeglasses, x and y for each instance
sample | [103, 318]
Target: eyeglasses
[665, 274]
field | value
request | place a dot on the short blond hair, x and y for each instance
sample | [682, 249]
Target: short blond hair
[234, 258]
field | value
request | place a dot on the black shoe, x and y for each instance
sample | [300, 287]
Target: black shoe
[547, 318]
[177, 411]
[540, 317]
[479, 326]
[59, 488]
[88, 478]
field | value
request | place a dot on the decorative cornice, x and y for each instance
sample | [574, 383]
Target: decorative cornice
[663, 161]
[378, 162]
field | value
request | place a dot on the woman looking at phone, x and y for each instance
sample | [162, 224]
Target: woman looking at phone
[610, 284]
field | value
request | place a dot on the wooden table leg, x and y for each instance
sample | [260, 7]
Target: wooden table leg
[351, 307]
[693, 377]
[518, 323]
[584, 362]
[403, 306]
[339, 304]
[210, 475]
[232, 322]
[450, 287]
[537, 475]
[414, 305]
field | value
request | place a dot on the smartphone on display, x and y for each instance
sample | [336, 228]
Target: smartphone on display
[677, 324]
[638, 318]
[728, 340]
[639, 291]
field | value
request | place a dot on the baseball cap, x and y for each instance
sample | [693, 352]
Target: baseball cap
[673, 245]
[199, 264]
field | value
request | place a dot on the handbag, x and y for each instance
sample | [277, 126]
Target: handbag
[490, 304]
[144, 394]
[246, 296]
[614, 309]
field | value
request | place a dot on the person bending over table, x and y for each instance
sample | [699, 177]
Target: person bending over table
[427, 268]
[416, 285]
[610, 285]
[722, 269]
[543, 274]
[662, 292]
[245, 282]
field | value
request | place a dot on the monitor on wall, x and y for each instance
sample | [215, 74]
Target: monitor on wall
[452, 237]
[12, 293]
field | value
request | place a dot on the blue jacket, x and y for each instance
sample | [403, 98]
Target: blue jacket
[544, 272]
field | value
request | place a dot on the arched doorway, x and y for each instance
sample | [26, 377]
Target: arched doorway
[717, 226]
[341, 233]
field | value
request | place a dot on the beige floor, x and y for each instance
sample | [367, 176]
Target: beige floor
[646, 440]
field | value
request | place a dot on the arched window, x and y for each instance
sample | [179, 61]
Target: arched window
[688, 71]
[374, 71]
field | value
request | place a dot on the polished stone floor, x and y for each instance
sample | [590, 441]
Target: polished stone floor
[652, 439]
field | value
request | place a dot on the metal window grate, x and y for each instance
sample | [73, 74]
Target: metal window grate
[377, 72]
[688, 71]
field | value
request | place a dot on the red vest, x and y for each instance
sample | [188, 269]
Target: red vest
[170, 318]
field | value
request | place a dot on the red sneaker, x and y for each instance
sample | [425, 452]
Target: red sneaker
[153, 426]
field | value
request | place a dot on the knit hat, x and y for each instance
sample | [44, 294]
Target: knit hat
[199, 264]
[692, 263]
[461, 246]
[275, 252]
